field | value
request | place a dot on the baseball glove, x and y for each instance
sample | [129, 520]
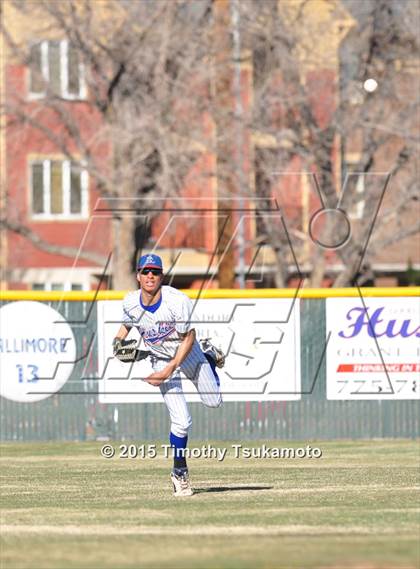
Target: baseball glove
[127, 351]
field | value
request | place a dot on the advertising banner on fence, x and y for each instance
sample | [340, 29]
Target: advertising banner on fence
[260, 336]
[37, 351]
[373, 348]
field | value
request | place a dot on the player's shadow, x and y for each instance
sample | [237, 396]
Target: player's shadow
[230, 489]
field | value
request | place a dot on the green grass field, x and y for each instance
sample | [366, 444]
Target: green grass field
[63, 506]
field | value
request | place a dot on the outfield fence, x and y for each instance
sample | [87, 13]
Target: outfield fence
[75, 413]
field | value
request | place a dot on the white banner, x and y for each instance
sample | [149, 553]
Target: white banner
[37, 351]
[373, 348]
[261, 338]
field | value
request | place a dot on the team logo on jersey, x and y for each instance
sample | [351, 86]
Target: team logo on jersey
[157, 335]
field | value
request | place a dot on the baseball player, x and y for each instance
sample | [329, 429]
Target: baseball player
[162, 316]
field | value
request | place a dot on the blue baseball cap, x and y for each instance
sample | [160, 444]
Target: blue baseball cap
[150, 261]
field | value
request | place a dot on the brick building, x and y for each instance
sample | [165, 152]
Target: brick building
[56, 200]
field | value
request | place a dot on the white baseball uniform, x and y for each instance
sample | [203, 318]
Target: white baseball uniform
[160, 326]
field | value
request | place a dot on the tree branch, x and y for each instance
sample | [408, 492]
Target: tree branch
[40, 243]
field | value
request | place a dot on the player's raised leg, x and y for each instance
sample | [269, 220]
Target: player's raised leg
[201, 371]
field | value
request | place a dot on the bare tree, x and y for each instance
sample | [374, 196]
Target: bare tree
[312, 104]
[153, 70]
[146, 66]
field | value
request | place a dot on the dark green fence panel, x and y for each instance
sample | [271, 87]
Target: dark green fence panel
[76, 414]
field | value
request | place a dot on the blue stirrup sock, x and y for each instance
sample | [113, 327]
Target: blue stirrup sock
[178, 444]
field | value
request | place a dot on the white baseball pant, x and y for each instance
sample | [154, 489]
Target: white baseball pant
[196, 368]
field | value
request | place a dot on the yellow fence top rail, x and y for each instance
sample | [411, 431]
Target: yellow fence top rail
[90, 296]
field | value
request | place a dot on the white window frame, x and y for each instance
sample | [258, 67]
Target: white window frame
[358, 209]
[67, 286]
[48, 276]
[360, 189]
[64, 73]
[66, 185]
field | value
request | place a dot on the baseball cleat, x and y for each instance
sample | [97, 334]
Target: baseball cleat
[181, 484]
[210, 350]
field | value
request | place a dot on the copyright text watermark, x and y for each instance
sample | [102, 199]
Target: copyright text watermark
[210, 452]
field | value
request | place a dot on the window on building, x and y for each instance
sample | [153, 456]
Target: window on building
[357, 181]
[359, 206]
[57, 286]
[55, 67]
[59, 189]
[264, 163]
